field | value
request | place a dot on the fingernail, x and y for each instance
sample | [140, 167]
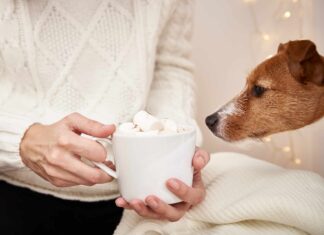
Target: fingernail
[153, 203]
[174, 184]
[118, 203]
[201, 158]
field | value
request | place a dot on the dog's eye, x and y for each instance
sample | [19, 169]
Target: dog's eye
[257, 91]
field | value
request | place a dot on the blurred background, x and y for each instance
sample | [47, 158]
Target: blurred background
[231, 37]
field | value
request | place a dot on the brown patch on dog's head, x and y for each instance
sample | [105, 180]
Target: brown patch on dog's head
[284, 92]
[304, 62]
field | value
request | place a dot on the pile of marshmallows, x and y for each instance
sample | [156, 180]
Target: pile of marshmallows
[146, 124]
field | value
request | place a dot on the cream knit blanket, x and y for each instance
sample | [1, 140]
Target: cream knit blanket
[245, 196]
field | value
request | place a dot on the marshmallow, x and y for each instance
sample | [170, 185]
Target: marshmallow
[128, 127]
[169, 125]
[147, 122]
[144, 124]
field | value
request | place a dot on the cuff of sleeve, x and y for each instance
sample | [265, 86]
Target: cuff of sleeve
[11, 133]
[10, 161]
[12, 130]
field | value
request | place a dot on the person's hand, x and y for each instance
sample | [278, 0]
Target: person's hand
[54, 151]
[191, 196]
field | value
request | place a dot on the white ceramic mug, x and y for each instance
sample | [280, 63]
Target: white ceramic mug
[145, 162]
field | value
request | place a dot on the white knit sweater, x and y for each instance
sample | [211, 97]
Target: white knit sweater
[106, 59]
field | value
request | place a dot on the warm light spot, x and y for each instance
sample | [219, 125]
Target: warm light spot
[266, 37]
[267, 139]
[294, 1]
[287, 14]
[297, 161]
[248, 1]
[286, 149]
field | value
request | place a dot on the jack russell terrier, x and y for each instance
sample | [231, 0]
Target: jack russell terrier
[285, 92]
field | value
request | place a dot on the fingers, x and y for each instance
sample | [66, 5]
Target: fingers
[164, 210]
[200, 159]
[81, 124]
[121, 202]
[58, 173]
[188, 194]
[61, 183]
[144, 210]
[84, 147]
[75, 166]
[155, 208]
[55, 181]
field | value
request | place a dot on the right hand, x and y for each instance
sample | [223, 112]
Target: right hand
[54, 151]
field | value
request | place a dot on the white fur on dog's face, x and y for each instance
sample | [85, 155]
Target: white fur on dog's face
[230, 109]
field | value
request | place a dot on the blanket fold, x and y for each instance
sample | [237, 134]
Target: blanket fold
[245, 196]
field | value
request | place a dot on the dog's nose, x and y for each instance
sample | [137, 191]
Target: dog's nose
[212, 120]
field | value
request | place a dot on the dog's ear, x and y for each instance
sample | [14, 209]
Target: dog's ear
[304, 62]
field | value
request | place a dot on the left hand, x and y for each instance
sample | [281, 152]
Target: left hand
[191, 196]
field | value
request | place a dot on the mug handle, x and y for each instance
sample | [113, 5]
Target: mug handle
[105, 142]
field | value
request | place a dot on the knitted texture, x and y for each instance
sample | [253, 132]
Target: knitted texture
[245, 196]
[106, 59]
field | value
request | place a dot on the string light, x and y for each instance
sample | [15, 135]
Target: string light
[286, 149]
[249, 1]
[297, 161]
[266, 37]
[287, 14]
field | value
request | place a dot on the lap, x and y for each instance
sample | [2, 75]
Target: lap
[26, 212]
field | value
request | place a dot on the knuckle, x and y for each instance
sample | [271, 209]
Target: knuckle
[72, 117]
[54, 157]
[63, 141]
[141, 212]
[162, 210]
[95, 177]
[84, 152]
[183, 191]
[199, 199]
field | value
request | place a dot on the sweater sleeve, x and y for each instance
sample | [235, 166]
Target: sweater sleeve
[172, 93]
[12, 129]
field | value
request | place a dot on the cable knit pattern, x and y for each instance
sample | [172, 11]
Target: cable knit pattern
[245, 196]
[106, 59]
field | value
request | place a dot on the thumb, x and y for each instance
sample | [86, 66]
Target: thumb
[80, 124]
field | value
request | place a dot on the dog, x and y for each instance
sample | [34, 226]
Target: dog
[285, 92]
